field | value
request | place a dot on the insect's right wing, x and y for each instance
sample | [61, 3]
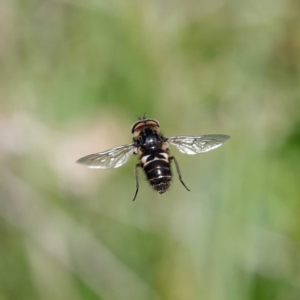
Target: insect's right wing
[197, 144]
[111, 158]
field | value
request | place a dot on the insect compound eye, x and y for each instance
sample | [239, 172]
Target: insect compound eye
[142, 123]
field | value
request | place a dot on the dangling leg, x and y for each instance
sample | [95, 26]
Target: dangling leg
[178, 170]
[136, 172]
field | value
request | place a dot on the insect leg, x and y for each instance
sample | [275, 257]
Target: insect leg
[136, 172]
[178, 170]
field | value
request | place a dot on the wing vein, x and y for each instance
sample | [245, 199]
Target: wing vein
[111, 158]
[197, 144]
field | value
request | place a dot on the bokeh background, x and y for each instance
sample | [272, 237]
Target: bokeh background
[74, 76]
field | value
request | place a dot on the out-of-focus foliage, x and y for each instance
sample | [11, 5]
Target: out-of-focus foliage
[74, 75]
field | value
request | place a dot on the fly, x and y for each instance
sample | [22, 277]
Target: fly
[152, 149]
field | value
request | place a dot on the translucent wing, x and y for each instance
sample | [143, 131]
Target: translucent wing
[111, 158]
[197, 144]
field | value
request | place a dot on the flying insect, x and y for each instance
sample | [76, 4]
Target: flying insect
[152, 149]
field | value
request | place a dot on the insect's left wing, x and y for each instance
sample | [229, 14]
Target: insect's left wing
[197, 144]
[111, 158]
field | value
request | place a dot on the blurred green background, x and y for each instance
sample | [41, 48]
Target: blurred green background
[74, 75]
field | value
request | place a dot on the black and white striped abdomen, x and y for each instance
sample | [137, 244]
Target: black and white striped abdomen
[157, 169]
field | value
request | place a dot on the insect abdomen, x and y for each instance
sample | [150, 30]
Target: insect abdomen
[158, 172]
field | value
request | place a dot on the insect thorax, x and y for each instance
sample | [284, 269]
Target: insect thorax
[150, 140]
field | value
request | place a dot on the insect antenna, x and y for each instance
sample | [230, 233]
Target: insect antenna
[141, 118]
